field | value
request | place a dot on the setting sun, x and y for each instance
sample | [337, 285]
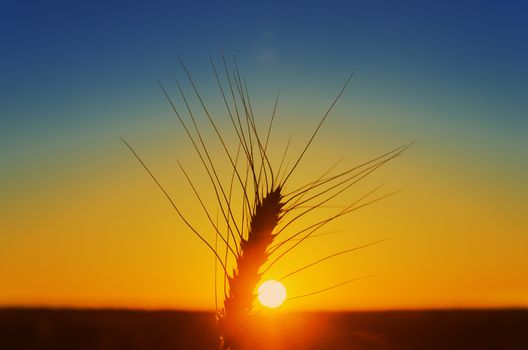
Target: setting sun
[271, 294]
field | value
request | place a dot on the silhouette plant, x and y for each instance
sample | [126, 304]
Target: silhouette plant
[256, 232]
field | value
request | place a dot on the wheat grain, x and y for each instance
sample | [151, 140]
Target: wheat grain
[253, 255]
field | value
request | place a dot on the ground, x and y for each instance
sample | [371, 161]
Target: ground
[24, 329]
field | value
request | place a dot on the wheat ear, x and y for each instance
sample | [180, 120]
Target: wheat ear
[265, 215]
[267, 209]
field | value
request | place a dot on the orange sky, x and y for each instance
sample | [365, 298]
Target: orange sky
[85, 226]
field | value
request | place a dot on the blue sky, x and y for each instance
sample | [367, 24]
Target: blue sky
[59, 54]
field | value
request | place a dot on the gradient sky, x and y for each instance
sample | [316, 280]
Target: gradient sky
[82, 225]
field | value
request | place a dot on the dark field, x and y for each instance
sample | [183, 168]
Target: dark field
[121, 329]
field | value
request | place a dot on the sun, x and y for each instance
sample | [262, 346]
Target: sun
[271, 293]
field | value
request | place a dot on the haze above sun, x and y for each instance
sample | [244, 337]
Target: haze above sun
[271, 294]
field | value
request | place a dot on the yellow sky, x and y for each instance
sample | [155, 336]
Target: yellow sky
[83, 225]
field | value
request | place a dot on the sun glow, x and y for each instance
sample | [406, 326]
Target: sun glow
[271, 294]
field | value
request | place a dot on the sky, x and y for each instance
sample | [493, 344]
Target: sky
[82, 225]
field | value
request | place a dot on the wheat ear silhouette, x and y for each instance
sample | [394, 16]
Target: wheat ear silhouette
[257, 232]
